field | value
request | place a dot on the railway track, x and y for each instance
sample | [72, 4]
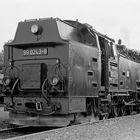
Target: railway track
[21, 131]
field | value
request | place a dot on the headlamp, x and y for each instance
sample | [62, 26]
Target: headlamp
[54, 80]
[6, 81]
[36, 29]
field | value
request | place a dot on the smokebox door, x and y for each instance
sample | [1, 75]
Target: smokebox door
[31, 76]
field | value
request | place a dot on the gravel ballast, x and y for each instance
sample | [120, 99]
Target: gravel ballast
[122, 128]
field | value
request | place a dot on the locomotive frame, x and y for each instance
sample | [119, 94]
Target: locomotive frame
[59, 73]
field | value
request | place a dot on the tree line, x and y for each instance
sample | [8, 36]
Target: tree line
[129, 53]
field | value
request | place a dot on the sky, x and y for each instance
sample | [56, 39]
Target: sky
[119, 19]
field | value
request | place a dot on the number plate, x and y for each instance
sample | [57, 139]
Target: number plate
[31, 52]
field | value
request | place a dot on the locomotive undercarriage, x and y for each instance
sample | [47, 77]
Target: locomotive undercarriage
[115, 105]
[35, 111]
[123, 103]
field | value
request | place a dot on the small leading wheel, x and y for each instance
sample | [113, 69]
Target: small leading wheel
[115, 110]
[123, 110]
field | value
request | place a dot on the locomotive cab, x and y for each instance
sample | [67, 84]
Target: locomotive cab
[109, 64]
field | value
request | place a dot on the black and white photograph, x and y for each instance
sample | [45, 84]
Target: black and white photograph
[70, 70]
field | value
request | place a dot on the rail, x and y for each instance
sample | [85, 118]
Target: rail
[22, 131]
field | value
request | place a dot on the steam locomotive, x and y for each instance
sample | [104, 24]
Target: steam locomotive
[62, 72]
